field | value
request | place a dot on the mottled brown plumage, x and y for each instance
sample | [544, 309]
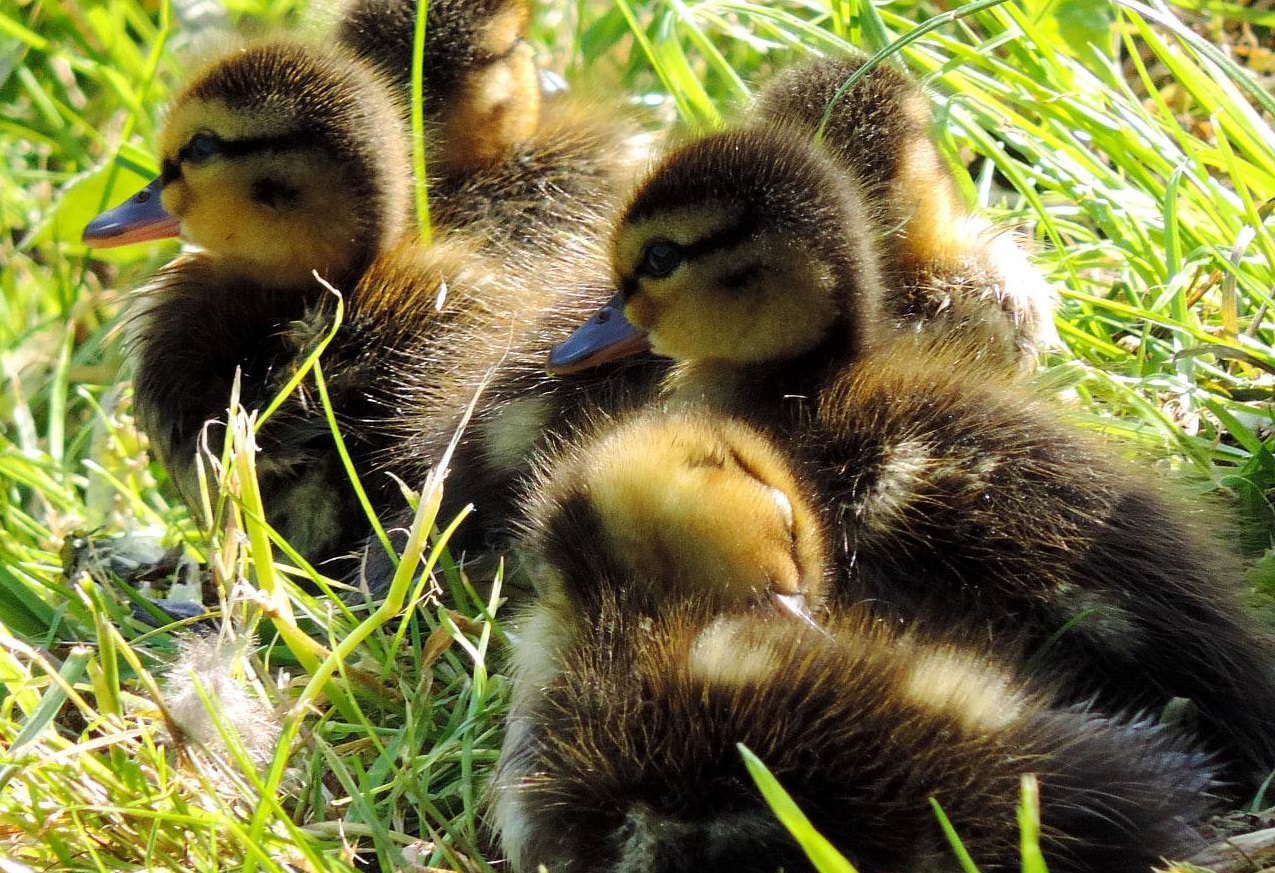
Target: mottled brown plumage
[626, 759]
[960, 499]
[281, 160]
[498, 356]
[503, 163]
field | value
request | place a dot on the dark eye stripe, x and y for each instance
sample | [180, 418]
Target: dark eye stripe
[171, 169]
[237, 148]
[727, 237]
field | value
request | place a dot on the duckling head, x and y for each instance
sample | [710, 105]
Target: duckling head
[677, 506]
[743, 247]
[278, 159]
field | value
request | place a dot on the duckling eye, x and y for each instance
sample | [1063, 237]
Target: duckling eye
[202, 147]
[661, 258]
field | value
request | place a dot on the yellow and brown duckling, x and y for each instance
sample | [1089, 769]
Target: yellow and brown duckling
[519, 170]
[480, 89]
[280, 161]
[952, 493]
[742, 248]
[875, 185]
[647, 661]
[948, 268]
[959, 498]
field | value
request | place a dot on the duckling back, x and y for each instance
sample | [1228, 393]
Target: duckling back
[565, 179]
[628, 759]
[958, 497]
[654, 650]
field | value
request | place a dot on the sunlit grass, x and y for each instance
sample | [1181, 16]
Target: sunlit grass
[1134, 155]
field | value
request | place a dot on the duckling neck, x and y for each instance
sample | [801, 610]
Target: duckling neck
[773, 393]
[295, 279]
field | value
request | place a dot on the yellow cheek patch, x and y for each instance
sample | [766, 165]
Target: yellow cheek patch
[642, 311]
[693, 326]
[176, 198]
[219, 213]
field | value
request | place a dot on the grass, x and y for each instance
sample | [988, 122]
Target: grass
[1125, 138]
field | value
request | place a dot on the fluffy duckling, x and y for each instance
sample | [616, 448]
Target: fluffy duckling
[627, 760]
[741, 248]
[949, 269]
[623, 509]
[953, 494]
[653, 653]
[504, 163]
[480, 87]
[280, 161]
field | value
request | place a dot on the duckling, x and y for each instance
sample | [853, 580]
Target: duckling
[628, 761]
[746, 256]
[949, 268]
[953, 493]
[480, 86]
[656, 648]
[503, 162]
[279, 161]
[620, 507]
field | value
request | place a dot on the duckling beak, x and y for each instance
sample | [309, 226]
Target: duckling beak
[608, 336]
[140, 218]
[794, 605]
